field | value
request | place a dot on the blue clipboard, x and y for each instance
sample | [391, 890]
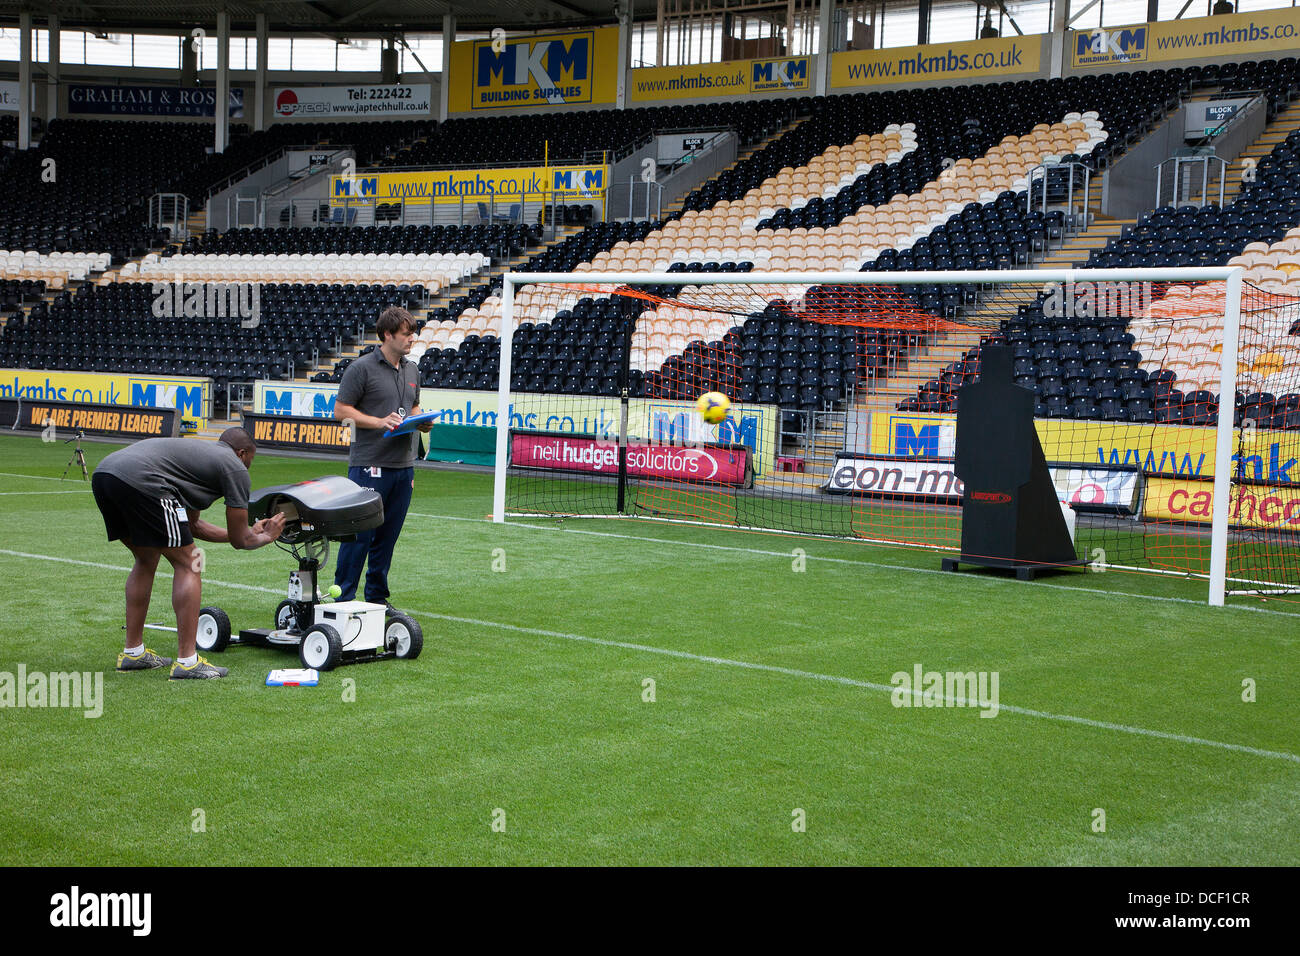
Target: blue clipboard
[411, 422]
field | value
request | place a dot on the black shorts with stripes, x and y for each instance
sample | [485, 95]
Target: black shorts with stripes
[137, 518]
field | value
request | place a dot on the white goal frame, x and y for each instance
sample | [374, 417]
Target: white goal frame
[1232, 276]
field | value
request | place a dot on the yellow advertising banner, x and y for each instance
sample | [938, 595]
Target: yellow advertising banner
[473, 185]
[954, 62]
[782, 75]
[1237, 34]
[191, 397]
[1250, 506]
[534, 71]
[1172, 450]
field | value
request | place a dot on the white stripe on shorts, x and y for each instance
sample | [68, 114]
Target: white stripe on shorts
[169, 515]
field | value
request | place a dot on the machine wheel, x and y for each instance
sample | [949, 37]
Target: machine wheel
[404, 636]
[286, 615]
[213, 633]
[321, 648]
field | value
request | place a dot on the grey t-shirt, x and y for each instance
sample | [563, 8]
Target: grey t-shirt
[194, 471]
[374, 387]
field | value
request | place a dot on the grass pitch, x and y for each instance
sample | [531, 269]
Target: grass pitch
[525, 733]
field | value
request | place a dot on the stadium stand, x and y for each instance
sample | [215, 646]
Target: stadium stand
[371, 142]
[103, 176]
[1277, 78]
[960, 122]
[962, 215]
[904, 179]
[836, 185]
[1115, 372]
[531, 138]
[115, 327]
[105, 170]
[571, 347]
[489, 240]
[434, 271]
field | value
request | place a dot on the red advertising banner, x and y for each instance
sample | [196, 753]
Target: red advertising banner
[578, 453]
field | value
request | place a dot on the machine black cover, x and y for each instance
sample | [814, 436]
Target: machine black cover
[329, 507]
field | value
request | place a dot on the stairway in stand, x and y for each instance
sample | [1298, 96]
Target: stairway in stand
[1240, 170]
[671, 208]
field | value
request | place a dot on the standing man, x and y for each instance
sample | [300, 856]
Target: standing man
[377, 392]
[150, 495]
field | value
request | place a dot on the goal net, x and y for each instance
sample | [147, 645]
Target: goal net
[844, 390]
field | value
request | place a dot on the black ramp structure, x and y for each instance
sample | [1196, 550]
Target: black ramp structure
[1011, 517]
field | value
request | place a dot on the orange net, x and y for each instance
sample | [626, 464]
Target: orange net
[843, 400]
[867, 306]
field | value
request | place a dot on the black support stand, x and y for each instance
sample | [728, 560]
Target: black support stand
[1011, 517]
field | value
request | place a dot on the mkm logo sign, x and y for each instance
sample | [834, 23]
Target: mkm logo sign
[779, 75]
[1111, 46]
[914, 442]
[585, 181]
[355, 186]
[187, 401]
[304, 404]
[554, 70]
[918, 436]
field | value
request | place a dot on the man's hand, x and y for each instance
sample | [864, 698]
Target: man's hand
[246, 537]
[270, 527]
[345, 413]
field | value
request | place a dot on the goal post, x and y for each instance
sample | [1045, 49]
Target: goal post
[599, 371]
[1223, 438]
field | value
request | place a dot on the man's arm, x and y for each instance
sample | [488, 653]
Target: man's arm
[344, 412]
[237, 533]
[206, 531]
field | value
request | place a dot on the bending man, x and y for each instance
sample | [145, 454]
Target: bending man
[150, 495]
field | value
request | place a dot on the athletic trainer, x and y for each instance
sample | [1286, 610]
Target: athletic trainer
[150, 495]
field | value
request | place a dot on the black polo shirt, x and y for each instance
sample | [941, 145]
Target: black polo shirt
[374, 387]
[193, 471]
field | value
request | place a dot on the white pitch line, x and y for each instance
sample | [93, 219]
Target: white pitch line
[115, 567]
[866, 685]
[981, 579]
[747, 665]
[14, 474]
[4, 494]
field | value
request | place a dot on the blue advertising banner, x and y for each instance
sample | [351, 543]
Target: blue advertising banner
[150, 100]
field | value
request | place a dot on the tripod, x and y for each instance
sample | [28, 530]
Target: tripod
[78, 457]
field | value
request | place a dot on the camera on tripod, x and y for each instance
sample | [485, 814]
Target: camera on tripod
[78, 456]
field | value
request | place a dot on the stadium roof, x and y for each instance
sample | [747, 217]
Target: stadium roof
[329, 17]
